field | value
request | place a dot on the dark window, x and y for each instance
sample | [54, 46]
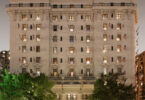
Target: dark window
[112, 4]
[112, 70]
[61, 61]
[82, 6]
[82, 27]
[54, 38]
[60, 38]
[60, 17]
[30, 59]
[112, 15]
[112, 37]
[112, 26]
[31, 37]
[54, 27]
[61, 71]
[82, 49]
[82, 71]
[31, 26]
[71, 39]
[37, 59]
[82, 38]
[23, 70]
[31, 16]
[54, 6]
[81, 60]
[41, 4]
[60, 27]
[31, 71]
[30, 48]
[81, 16]
[122, 4]
[61, 50]
[112, 59]
[112, 48]
[37, 48]
[31, 4]
[88, 27]
[60, 6]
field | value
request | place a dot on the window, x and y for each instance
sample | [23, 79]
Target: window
[118, 16]
[118, 48]
[112, 15]
[23, 48]
[37, 48]
[105, 26]
[88, 49]
[38, 27]
[112, 48]
[55, 61]
[118, 37]
[31, 27]
[71, 18]
[37, 17]
[105, 37]
[61, 27]
[61, 16]
[71, 49]
[61, 38]
[105, 60]
[88, 17]
[82, 60]
[112, 37]
[37, 59]
[105, 16]
[31, 60]
[105, 71]
[82, 38]
[71, 39]
[31, 16]
[82, 27]
[61, 49]
[105, 49]
[88, 27]
[24, 39]
[37, 38]
[54, 50]
[88, 39]
[24, 17]
[31, 48]
[71, 28]
[119, 70]
[55, 28]
[55, 73]
[119, 59]
[112, 26]
[71, 60]
[54, 38]
[61, 60]
[38, 71]
[24, 60]
[88, 60]
[25, 27]
[54, 18]
[118, 26]
[112, 59]
[82, 6]
[82, 49]
[54, 6]
[82, 17]
[71, 6]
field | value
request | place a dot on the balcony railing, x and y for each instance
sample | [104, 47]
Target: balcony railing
[68, 6]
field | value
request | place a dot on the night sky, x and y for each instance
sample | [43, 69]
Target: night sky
[5, 30]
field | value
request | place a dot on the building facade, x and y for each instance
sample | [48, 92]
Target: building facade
[73, 40]
[140, 76]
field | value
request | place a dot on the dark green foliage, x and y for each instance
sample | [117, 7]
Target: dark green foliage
[112, 87]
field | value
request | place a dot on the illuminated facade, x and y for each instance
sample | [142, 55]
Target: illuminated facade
[73, 41]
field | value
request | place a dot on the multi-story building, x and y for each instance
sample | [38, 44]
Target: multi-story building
[73, 40]
[140, 76]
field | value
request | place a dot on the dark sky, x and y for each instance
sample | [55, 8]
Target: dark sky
[4, 25]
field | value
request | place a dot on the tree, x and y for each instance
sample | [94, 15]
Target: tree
[36, 88]
[112, 87]
[9, 86]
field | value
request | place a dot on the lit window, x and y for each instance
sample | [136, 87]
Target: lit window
[71, 49]
[88, 39]
[54, 38]
[118, 26]
[38, 59]
[68, 96]
[55, 18]
[24, 39]
[71, 18]
[118, 16]
[37, 17]
[88, 72]
[105, 37]
[24, 27]
[105, 26]
[118, 37]
[24, 60]
[37, 37]
[88, 49]
[104, 49]
[71, 39]
[119, 59]
[23, 48]
[71, 28]
[38, 71]
[71, 73]
[54, 50]
[105, 16]
[55, 73]
[118, 48]
[55, 61]
[105, 60]
[24, 17]
[105, 71]
[88, 17]
[88, 27]
[38, 27]
[74, 96]
[71, 60]
[88, 60]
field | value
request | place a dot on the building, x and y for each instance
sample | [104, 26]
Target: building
[140, 76]
[73, 41]
[4, 59]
